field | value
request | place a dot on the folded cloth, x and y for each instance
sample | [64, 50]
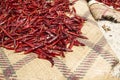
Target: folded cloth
[100, 11]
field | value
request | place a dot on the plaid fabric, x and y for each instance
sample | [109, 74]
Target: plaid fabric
[10, 70]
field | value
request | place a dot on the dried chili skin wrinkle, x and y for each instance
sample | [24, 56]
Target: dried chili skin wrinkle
[40, 26]
[114, 3]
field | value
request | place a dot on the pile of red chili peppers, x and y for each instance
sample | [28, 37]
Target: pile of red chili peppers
[114, 3]
[40, 26]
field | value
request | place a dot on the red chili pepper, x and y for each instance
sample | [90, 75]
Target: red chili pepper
[40, 26]
[114, 3]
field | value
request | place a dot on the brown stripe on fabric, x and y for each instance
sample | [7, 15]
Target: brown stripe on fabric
[62, 67]
[99, 49]
[4, 64]
[19, 64]
[85, 65]
[2, 77]
[105, 54]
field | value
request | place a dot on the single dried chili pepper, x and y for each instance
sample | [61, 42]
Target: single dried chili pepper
[40, 26]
